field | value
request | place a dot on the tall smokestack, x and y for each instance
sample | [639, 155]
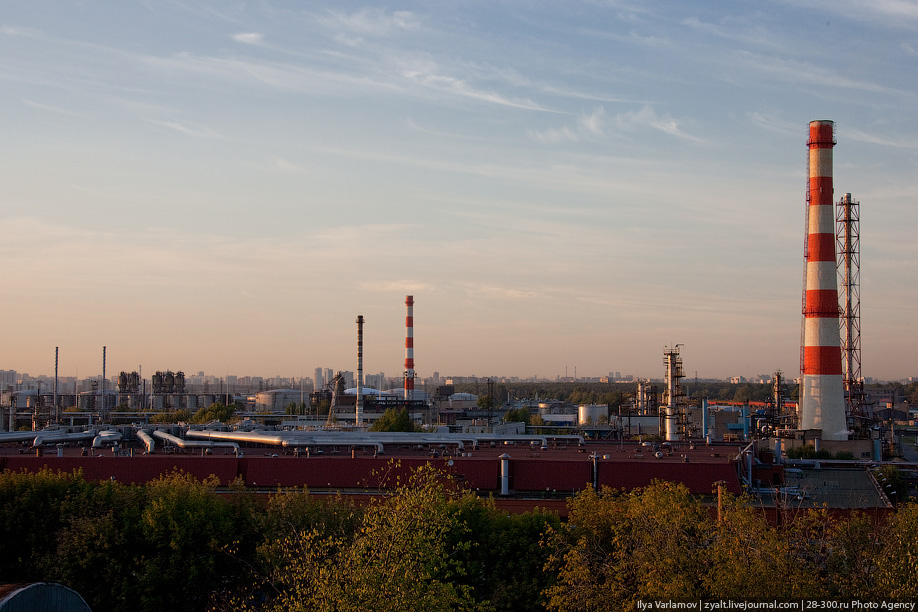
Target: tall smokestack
[409, 348]
[102, 409]
[822, 399]
[359, 410]
[56, 402]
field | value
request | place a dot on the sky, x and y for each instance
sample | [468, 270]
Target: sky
[561, 185]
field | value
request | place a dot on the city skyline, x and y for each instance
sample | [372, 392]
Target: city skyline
[559, 185]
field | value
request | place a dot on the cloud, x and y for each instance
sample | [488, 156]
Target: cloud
[595, 125]
[354, 28]
[249, 38]
[879, 140]
[197, 131]
[588, 126]
[804, 73]
[891, 13]
[428, 77]
[51, 109]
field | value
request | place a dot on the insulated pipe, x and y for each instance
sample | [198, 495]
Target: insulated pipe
[297, 441]
[176, 441]
[55, 437]
[822, 399]
[149, 442]
[409, 348]
[106, 437]
[504, 474]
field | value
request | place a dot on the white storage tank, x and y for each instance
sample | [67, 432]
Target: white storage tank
[592, 414]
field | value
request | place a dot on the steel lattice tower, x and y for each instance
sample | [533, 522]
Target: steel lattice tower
[848, 247]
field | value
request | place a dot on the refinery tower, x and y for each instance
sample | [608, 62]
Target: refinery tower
[822, 398]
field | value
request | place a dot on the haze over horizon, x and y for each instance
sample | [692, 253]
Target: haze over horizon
[204, 187]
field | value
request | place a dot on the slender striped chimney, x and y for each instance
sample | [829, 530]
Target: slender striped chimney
[409, 348]
[822, 399]
[359, 408]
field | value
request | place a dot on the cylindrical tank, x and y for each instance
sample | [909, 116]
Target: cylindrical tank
[592, 414]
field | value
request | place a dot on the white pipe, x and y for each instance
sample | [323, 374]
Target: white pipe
[289, 441]
[504, 474]
[106, 437]
[149, 442]
[54, 437]
[176, 441]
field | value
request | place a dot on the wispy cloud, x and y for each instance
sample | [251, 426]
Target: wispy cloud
[198, 131]
[430, 78]
[249, 38]
[775, 124]
[595, 125]
[371, 22]
[892, 13]
[798, 72]
[877, 139]
[51, 109]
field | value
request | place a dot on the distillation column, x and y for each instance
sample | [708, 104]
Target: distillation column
[822, 401]
[673, 392]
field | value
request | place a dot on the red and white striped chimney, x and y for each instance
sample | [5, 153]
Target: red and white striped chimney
[359, 407]
[409, 348]
[822, 399]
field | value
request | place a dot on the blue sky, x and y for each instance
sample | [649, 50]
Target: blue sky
[224, 186]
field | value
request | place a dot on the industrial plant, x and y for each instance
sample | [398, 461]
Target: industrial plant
[322, 438]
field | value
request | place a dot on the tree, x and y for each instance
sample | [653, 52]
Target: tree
[401, 558]
[747, 558]
[214, 412]
[186, 528]
[485, 402]
[625, 547]
[171, 417]
[517, 415]
[504, 558]
[856, 555]
[394, 420]
[897, 566]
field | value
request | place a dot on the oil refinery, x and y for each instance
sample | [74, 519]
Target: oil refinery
[741, 447]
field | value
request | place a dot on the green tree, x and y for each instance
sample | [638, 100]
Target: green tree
[504, 558]
[627, 547]
[517, 415]
[394, 420]
[856, 556]
[214, 412]
[746, 557]
[485, 402]
[33, 510]
[897, 567]
[186, 530]
[400, 559]
[180, 415]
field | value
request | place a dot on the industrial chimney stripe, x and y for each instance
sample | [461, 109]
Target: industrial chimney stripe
[822, 395]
